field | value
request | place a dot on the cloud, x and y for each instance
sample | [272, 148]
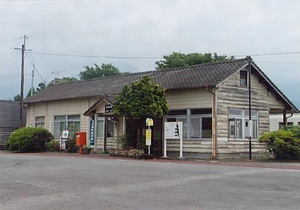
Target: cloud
[146, 28]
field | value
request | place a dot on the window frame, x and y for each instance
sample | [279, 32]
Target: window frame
[187, 127]
[39, 122]
[243, 118]
[243, 78]
[281, 126]
[66, 120]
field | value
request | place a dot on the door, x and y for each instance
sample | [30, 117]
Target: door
[100, 133]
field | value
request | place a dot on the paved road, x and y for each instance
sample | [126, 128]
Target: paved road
[29, 181]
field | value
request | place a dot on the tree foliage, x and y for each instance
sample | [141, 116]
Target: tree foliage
[141, 100]
[177, 59]
[284, 143]
[63, 80]
[41, 86]
[29, 139]
[105, 70]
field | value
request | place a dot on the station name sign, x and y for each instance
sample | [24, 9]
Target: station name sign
[108, 108]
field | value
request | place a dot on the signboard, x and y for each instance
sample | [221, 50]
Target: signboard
[171, 130]
[148, 137]
[149, 122]
[92, 131]
[65, 134]
[62, 144]
[63, 139]
[108, 108]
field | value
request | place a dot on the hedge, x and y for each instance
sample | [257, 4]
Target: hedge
[284, 143]
[29, 139]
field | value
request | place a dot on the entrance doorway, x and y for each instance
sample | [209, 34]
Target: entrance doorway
[135, 130]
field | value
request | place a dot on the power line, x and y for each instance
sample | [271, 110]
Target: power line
[275, 62]
[95, 56]
[265, 54]
[58, 57]
[10, 40]
[3, 76]
[33, 64]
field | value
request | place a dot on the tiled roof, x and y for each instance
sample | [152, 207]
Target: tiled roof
[196, 76]
[202, 75]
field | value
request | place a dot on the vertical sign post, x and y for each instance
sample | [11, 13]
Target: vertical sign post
[149, 123]
[173, 130]
[180, 136]
[92, 131]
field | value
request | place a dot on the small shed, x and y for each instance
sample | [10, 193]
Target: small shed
[9, 119]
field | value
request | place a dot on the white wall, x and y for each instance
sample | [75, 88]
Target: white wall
[276, 118]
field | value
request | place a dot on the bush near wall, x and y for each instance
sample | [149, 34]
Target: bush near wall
[29, 140]
[284, 143]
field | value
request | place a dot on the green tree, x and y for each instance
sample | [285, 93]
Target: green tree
[177, 59]
[63, 80]
[105, 70]
[41, 86]
[17, 97]
[29, 92]
[141, 100]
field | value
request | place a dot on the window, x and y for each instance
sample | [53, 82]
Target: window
[281, 125]
[298, 123]
[66, 122]
[109, 127]
[100, 127]
[197, 123]
[243, 78]
[238, 124]
[40, 122]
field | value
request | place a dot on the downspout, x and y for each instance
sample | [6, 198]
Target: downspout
[214, 122]
[292, 114]
[284, 117]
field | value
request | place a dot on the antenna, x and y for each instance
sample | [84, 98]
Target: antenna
[57, 73]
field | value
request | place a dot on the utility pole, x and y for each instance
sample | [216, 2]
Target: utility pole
[22, 84]
[32, 75]
[22, 81]
[250, 120]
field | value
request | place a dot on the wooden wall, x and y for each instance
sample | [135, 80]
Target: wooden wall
[231, 95]
[9, 119]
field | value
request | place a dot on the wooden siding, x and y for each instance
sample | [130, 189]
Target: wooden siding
[228, 149]
[231, 95]
[65, 107]
[9, 119]
[193, 98]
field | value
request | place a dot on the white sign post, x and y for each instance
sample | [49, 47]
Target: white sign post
[173, 130]
[149, 122]
[63, 138]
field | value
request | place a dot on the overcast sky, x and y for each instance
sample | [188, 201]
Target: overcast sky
[146, 29]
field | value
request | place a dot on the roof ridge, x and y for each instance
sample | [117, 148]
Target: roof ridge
[201, 64]
[151, 71]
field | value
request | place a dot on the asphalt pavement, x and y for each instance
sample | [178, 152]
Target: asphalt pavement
[72, 181]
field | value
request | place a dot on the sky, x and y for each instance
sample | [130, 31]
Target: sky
[65, 36]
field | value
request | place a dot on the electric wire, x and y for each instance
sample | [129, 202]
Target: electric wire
[11, 40]
[33, 64]
[269, 54]
[96, 56]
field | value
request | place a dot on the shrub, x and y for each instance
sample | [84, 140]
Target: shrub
[53, 146]
[29, 139]
[126, 141]
[285, 143]
[294, 129]
[71, 146]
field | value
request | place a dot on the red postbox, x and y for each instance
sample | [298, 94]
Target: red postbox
[80, 140]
